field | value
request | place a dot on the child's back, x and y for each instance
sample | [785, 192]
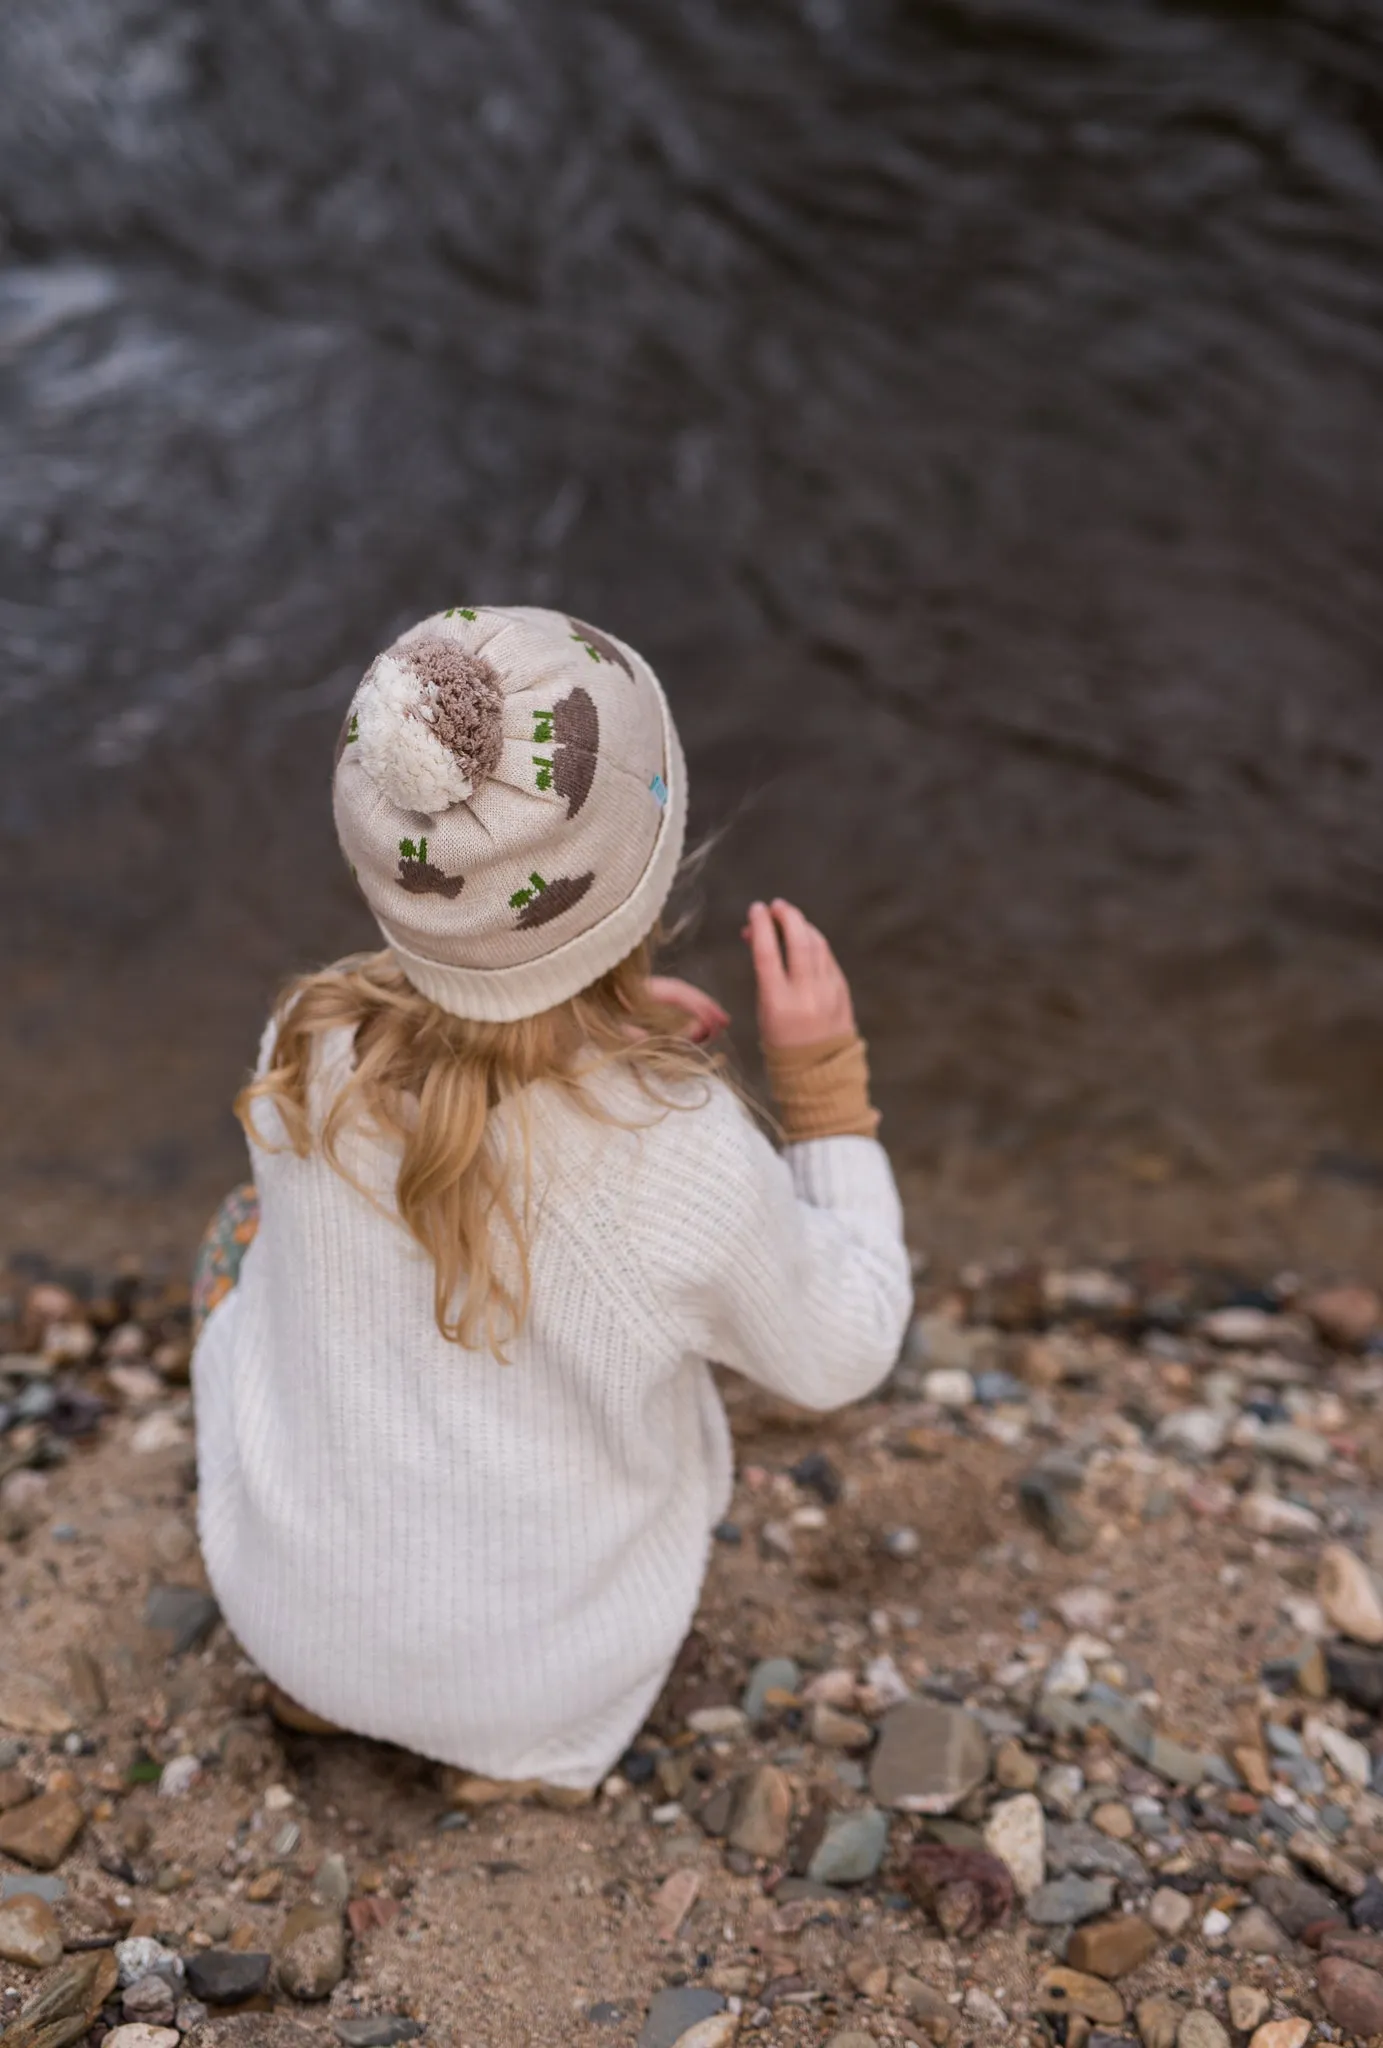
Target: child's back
[494, 1563]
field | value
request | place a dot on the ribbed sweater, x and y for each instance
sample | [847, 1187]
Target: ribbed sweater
[490, 1564]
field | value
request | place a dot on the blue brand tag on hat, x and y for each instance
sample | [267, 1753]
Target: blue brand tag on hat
[659, 788]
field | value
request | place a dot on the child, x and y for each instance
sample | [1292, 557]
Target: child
[460, 1450]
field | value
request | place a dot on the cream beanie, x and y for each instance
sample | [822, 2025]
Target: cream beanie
[511, 795]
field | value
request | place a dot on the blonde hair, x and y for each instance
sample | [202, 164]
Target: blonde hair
[429, 1082]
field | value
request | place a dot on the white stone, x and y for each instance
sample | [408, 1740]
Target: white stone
[1349, 1757]
[949, 1386]
[885, 1685]
[179, 1775]
[1241, 1328]
[1264, 1514]
[1305, 1614]
[142, 1956]
[1085, 1607]
[979, 2006]
[138, 2035]
[1348, 1593]
[1216, 1924]
[1196, 1433]
[278, 1799]
[718, 1721]
[1067, 1676]
[1016, 1832]
[157, 1432]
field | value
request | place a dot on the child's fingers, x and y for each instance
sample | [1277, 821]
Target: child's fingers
[763, 945]
[797, 938]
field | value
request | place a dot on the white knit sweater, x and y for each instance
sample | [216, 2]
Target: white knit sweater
[494, 1565]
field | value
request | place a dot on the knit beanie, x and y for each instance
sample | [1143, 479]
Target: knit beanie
[511, 795]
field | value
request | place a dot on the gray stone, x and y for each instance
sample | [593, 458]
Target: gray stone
[223, 1976]
[1294, 1903]
[1256, 1933]
[18, 1884]
[185, 1613]
[929, 1756]
[774, 1674]
[1044, 1494]
[383, 2032]
[851, 1849]
[1183, 1766]
[152, 2000]
[1084, 1850]
[674, 2013]
[1291, 1445]
[331, 1880]
[1068, 1900]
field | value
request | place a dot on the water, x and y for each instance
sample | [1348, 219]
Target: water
[975, 409]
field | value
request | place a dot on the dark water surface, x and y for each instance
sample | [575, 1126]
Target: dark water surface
[974, 408]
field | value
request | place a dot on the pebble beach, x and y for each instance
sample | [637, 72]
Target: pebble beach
[1035, 1701]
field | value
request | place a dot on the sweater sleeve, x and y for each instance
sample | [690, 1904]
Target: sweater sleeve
[790, 1268]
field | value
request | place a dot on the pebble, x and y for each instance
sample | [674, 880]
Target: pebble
[1215, 1926]
[1063, 1990]
[41, 1832]
[1352, 1995]
[385, 2031]
[1114, 1820]
[718, 1721]
[1069, 1900]
[141, 1956]
[1016, 1832]
[830, 1729]
[1327, 1863]
[851, 1849]
[1248, 2007]
[1345, 1316]
[1256, 1933]
[1158, 2018]
[1294, 2032]
[761, 1814]
[178, 1777]
[1201, 2029]
[928, 1758]
[226, 1976]
[141, 2036]
[949, 1387]
[1060, 1788]
[1015, 1768]
[30, 1706]
[29, 1933]
[331, 1880]
[1347, 1591]
[1349, 1757]
[311, 1952]
[1067, 1676]
[1295, 1904]
[673, 2013]
[185, 1613]
[1170, 1912]
[1196, 1434]
[1085, 1607]
[1285, 1521]
[773, 1674]
[1045, 1498]
[978, 2005]
[151, 1999]
[1111, 1948]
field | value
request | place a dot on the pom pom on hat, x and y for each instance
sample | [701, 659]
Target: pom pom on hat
[429, 722]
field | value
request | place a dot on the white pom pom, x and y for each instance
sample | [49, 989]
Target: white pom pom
[396, 747]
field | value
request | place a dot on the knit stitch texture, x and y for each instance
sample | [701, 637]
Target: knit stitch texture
[494, 1565]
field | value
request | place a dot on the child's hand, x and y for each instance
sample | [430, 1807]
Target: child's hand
[706, 1018]
[806, 998]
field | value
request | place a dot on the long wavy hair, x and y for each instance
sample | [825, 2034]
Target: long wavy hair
[429, 1083]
